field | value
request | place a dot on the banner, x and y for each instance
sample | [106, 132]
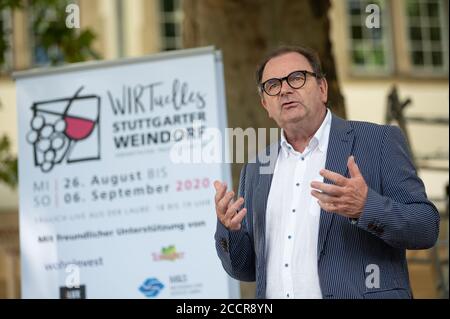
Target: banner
[105, 211]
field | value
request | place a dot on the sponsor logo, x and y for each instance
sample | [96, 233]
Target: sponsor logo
[168, 253]
[151, 287]
[178, 279]
[73, 292]
[181, 286]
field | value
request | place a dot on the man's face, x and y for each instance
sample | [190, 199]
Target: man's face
[293, 106]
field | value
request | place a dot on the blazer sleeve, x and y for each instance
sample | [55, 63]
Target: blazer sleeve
[235, 248]
[401, 215]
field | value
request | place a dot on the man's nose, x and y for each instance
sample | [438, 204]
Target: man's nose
[285, 87]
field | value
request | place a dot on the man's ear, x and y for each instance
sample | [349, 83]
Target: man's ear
[264, 105]
[323, 87]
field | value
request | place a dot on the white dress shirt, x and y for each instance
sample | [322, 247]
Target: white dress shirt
[292, 219]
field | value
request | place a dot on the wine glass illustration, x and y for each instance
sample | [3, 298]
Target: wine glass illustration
[78, 128]
[66, 128]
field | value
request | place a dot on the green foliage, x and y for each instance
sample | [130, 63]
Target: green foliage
[62, 44]
[8, 163]
[6, 4]
[10, 4]
[3, 46]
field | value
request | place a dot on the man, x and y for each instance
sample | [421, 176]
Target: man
[323, 226]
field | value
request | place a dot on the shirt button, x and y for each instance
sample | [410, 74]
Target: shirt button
[289, 237]
[293, 210]
[286, 265]
[287, 295]
[303, 158]
[298, 184]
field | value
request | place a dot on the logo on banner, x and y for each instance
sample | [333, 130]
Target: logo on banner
[151, 287]
[73, 292]
[65, 129]
[168, 253]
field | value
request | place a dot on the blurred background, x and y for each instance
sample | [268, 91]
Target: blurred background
[386, 63]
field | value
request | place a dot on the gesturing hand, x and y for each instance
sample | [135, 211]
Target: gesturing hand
[228, 211]
[347, 197]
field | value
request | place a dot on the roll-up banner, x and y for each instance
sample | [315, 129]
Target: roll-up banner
[113, 202]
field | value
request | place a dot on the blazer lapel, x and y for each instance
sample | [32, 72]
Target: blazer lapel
[339, 149]
[262, 189]
[261, 195]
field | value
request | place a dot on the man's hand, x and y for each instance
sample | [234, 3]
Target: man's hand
[347, 197]
[228, 211]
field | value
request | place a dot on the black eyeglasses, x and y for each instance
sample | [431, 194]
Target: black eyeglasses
[296, 80]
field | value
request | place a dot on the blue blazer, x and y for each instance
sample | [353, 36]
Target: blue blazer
[397, 216]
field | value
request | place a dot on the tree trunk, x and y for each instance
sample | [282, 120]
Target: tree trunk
[245, 30]
[306, 23]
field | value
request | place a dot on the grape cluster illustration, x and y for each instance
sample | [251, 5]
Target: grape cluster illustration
[49, 141]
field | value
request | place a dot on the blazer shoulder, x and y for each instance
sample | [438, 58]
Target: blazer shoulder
[362, 125]
[373, 130]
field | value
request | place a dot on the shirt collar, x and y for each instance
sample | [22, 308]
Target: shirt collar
[320, 138]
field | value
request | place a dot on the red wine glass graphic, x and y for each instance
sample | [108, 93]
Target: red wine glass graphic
[79, 119]
[78, 128]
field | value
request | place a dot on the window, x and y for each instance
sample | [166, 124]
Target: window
[420, 35]
[370, 49]
[171, 20]
[5, 41]
[425, 26]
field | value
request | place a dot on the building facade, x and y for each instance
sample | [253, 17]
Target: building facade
[377, 44]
